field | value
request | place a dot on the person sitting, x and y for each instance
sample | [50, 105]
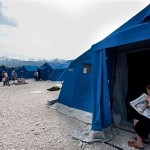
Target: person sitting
[20, 81]
[141, 127]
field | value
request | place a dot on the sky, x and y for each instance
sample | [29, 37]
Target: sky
[63, 29]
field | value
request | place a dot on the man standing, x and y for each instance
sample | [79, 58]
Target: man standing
[5, 78]
[36, 75]
[14, 75]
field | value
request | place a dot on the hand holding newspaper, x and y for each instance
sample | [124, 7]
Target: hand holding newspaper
[141, 105]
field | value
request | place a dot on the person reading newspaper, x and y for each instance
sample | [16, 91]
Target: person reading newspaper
[141, 122]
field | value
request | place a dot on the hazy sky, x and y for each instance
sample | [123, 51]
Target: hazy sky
[61, 29]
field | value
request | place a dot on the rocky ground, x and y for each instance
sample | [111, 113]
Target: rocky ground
[26, 123]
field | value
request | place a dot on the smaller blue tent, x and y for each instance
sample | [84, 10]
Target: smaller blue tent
[26, 72]
[45, 71]
[58, 73]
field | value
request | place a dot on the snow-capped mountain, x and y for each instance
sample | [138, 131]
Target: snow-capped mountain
[15, 62]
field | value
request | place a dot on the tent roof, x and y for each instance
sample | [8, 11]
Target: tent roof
[27, 67]
[64, 65]
[135, 30]
[30, 68]
[55, 65]
[46, 65]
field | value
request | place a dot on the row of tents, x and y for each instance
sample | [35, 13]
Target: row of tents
[53, 72]
[100, 84]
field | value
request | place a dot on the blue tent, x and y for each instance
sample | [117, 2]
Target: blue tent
[114, 77]
[26, 71]
[1, 70]
[58, 73]
[45, 71]
[55, 65]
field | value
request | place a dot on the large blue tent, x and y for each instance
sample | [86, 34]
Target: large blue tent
[110, 85]
[58, 73]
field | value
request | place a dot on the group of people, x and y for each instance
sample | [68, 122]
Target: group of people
[5, 77]
[14, 77]
[141, 126]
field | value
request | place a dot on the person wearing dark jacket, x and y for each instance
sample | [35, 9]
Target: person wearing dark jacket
[141, 127]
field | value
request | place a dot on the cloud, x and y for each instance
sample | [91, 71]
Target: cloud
[4, 20]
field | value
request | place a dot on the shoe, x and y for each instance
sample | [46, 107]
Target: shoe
[134, 144]
[145, 141]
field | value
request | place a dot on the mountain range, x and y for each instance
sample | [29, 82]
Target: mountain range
[15, 62]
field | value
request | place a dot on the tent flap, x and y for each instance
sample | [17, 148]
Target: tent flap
[101, 100]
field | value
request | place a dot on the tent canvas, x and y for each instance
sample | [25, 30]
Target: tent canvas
[112, 59]
[54, 65]
[58, 73]
[76, 85]
[131, 38]
[45, 71]
[26, 71]
[1, 70]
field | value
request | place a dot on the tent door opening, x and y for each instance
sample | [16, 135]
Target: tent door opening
[138, 75]
[131, 75]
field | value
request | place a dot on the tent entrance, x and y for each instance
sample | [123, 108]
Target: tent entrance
[138, 74]
[131, 76]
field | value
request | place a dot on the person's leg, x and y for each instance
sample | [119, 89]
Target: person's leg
[8, 82]
[141, 132]
[135, 121]
[139, 141]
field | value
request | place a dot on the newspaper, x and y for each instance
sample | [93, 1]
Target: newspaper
[141, 105]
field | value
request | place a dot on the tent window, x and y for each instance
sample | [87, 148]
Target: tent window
[147, 19]
[87, 68]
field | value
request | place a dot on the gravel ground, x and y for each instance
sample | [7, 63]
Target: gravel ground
[26, 123]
